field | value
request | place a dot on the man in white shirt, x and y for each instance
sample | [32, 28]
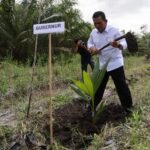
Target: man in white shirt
[101, 35]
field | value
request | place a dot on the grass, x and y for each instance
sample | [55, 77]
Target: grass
[18, 76]
[133, 134]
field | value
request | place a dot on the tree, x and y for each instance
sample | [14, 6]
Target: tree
[16, 23]
[75, 26]
[16, 27]
[144, 41]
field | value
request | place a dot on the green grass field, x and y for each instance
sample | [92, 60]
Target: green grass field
[15, 81]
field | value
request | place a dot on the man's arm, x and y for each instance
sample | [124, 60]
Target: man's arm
[117, 44]
[91, 46]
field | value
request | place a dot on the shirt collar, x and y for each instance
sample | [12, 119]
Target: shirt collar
[106, 29]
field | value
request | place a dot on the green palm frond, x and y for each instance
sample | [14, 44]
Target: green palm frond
[79, 92]
[51, 17]
[88, 83]
[81, 86]
[98, 75]
[100, 109]
[5, 33]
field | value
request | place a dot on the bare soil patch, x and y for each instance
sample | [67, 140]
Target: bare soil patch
[74, 130]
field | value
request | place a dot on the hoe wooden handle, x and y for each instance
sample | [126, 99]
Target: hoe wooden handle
[117, 39]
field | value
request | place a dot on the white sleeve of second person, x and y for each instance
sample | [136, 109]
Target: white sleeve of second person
[90, 42]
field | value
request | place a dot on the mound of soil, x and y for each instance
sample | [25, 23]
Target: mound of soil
[74, 130]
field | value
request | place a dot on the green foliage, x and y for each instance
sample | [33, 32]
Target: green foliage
[79, 92]
[5, 136]
[86, 87]
[15, 28]
[100, 109]
[62, 98]
[17, 77]
[74, 24]
[5, 131]
[66, 67]
[98, 75]
[144, 41]
[135, 119]
[17, 19]
[90, 85]
[82, 86]
[132, 133]
[96, 142]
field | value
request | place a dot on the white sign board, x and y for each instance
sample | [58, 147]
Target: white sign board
[56, 27]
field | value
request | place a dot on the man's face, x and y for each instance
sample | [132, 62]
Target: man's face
[99, 23]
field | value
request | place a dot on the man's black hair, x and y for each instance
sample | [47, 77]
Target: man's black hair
[100, 14]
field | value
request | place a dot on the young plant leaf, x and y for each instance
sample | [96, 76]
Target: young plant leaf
[98, 75]
[81, 86]
[100, 109]
[79, 92]
[88, 83]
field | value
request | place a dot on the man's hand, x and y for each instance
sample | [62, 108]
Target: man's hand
[93, 50]
[116, 44]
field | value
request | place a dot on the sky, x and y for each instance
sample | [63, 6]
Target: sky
[128, 15]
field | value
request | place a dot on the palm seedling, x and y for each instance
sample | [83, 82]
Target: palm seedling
[87, 88]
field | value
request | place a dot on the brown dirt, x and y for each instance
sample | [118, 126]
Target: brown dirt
[74, 130]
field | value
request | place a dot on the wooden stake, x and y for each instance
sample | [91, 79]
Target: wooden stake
[33, 69]
[50, 89]
[32, 77]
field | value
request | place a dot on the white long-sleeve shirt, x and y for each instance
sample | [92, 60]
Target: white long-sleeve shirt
[114, 55]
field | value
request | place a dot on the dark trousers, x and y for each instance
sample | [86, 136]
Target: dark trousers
[118, 77]
[84, 65]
